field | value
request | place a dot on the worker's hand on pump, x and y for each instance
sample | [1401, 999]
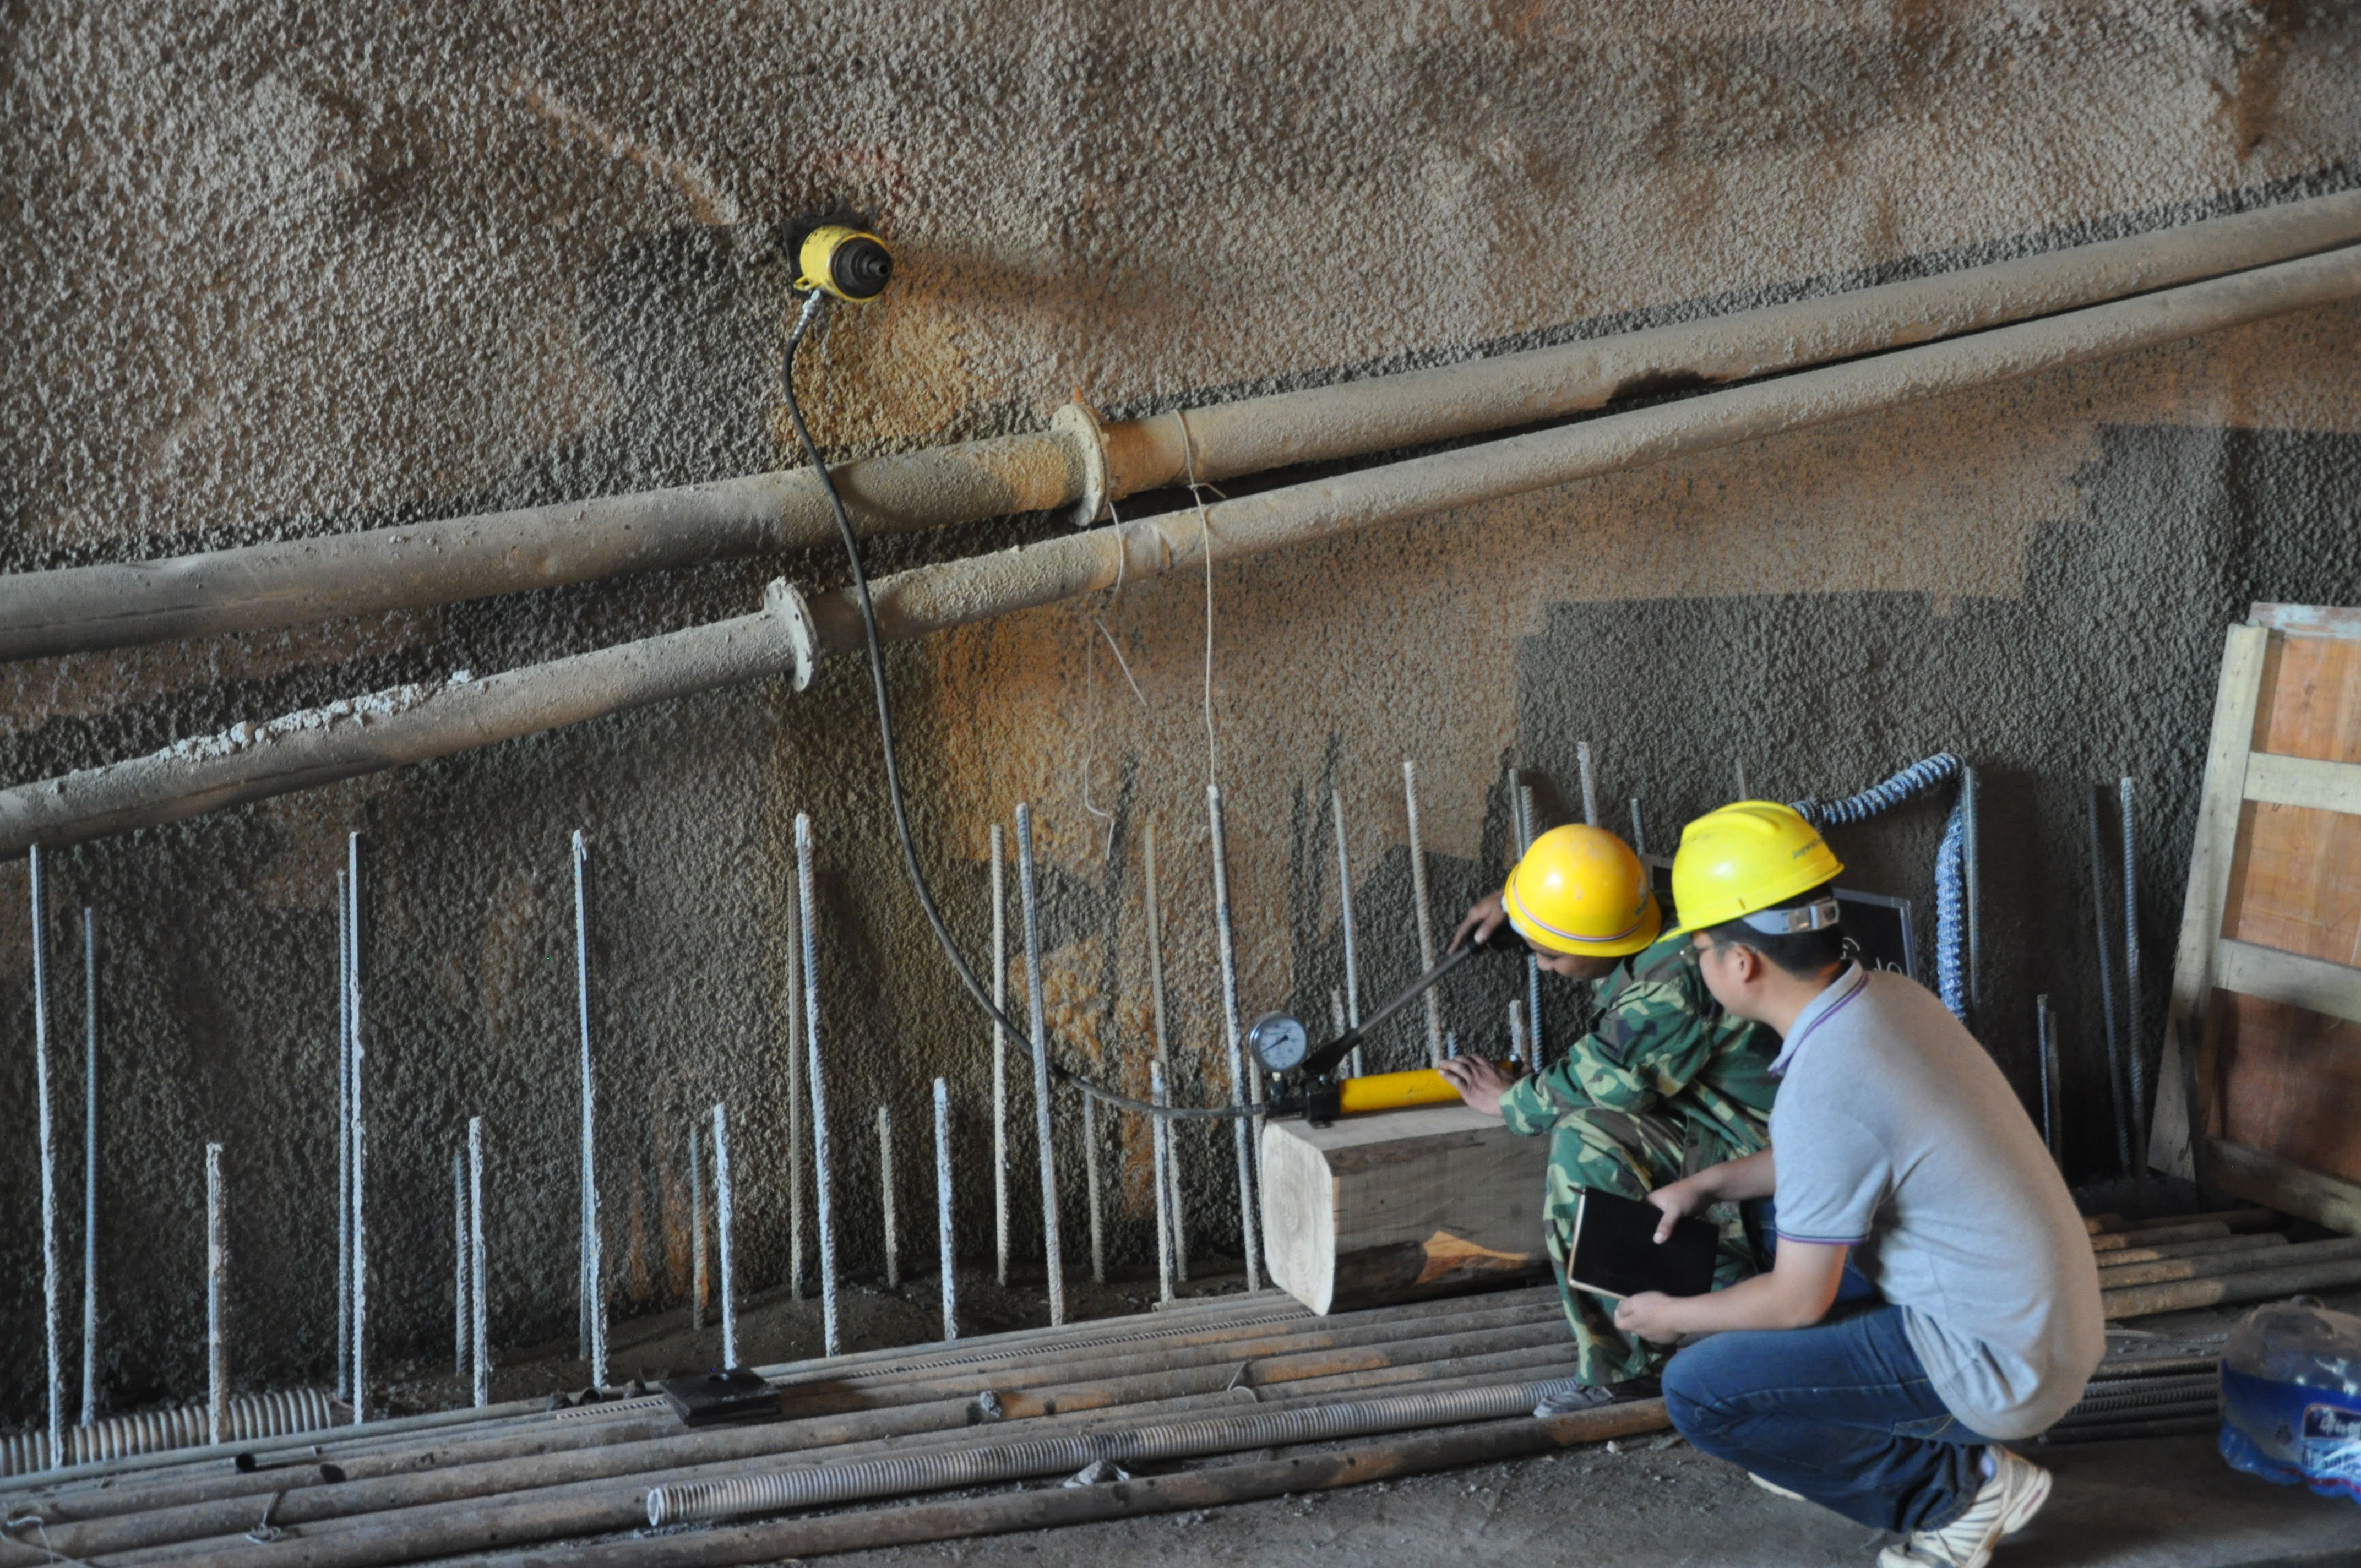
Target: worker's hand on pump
[1480, 1083]
[1485, 917]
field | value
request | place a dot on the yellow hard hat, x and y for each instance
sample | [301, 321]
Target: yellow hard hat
[1582, 890]
[1743, 857]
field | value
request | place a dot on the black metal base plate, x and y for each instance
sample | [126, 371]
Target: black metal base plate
[735, 1395]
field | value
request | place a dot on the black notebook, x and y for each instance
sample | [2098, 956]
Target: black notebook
[1616, 1253]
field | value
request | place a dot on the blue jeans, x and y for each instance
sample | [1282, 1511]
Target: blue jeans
[1841, 1411]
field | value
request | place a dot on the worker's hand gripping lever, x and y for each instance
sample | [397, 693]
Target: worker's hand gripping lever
[1283, 1046]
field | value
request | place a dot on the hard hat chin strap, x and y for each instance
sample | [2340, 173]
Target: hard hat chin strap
[1817, 915]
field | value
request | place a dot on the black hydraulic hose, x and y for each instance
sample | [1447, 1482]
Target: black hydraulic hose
[814, 304]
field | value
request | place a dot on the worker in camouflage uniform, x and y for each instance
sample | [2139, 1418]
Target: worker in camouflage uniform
[1665, 1084]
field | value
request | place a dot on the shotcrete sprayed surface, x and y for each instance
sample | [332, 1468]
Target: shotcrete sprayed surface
[296, 274]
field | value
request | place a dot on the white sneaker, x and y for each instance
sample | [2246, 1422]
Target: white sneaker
[1775, 1489]
[2004, 1505]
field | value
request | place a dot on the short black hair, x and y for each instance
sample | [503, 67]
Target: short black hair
[1801, 953]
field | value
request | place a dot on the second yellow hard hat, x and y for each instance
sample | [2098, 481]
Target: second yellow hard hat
[1744, 858]
[1581, 891]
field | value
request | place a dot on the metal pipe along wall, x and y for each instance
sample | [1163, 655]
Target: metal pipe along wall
[302, 751]
[417, 565]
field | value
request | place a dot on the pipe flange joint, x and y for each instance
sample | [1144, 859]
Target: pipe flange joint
[1085, 437]
[785, 604]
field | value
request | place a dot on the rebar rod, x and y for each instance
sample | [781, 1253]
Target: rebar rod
[1175, 1223]
[594, 1269]
[886, 1197]
[2207, 1266]
[2259, 1285]
[796, 1091]
[216, 1304]
[1744, 791]
[1353, 1068]
[52, 1279]
[1090, 1189]
[2208, 1247]
[1421, 913]
[1385, 1459]
[547, 1489]
[945, 1241]
[823, 1189]
[1203, 1323]
[1589, 784]
[360, 1277]
[1638, 829]
[724, 1218]
[479, 1303]
[2107, 986]
[821, 1192]
[1249, 1241]
[355, 1059]
[2136, 1050]
[344, 1136]
[460, 1325]
[1525, 834]
[1052, 1249]
[1000, 1045]
[697, 1281]
[89, 1169]
[1159, 1130]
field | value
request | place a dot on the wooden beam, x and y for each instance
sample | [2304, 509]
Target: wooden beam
[2304, 781]
[2314, 985]
[2181, 1076]
[1401, 1205]
[2290, 1188]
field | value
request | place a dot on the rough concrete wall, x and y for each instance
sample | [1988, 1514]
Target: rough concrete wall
[275, 271]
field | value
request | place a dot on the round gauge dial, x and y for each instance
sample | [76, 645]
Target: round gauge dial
[1278, 1042]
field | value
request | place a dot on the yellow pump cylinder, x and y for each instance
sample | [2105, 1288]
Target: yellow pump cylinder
[1394, 1092]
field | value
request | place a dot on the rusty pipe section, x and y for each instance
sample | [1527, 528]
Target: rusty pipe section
[1385, 413]
[86, 608]
[794, 630]
[80, 609]
[390, 730]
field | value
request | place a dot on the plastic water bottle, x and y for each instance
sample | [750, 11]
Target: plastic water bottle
[2291, 1397]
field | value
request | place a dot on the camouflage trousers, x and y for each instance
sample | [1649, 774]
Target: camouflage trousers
[1630, 1154]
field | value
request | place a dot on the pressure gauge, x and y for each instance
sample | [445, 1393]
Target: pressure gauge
[1278, 1042]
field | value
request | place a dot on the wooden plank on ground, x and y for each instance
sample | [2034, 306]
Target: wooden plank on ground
[2265, 1179]
[1400, 1206]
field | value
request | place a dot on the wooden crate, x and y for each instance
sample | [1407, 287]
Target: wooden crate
[2263, 1032]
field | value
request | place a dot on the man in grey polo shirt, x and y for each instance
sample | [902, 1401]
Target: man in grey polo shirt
[1896, 1143]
